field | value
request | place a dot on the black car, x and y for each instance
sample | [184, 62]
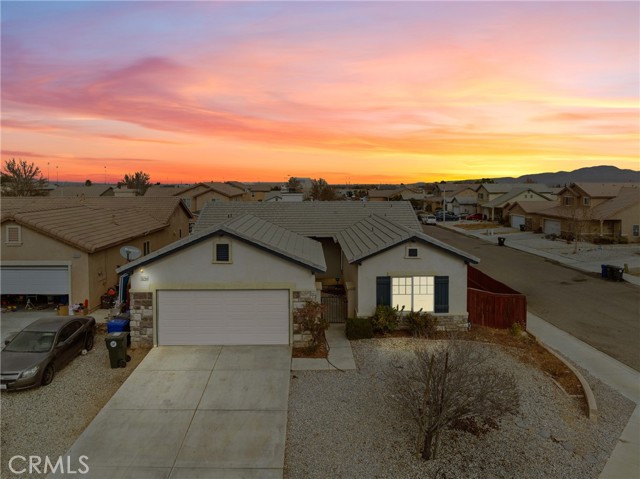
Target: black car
[32, 357]
[447, 216]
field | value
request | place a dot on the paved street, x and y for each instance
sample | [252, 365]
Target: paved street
[603, 314]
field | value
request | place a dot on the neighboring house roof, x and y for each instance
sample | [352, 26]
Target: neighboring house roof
[532, 206]
[464, 200]
[263, 234]
[87, 191]
[315, 219]
[374, 234]
[501, 200]
[627, 197]
[383, 193]
[454, 187]
[495, 188]
[237, 184]
[600, 190]
[92, 224]
[260, 188]
[223, 188]
[165, 190]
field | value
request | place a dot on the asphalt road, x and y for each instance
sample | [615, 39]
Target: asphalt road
[601, 313]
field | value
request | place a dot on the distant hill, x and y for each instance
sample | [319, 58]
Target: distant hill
[593, 174]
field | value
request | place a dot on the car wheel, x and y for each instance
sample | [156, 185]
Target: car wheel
[88, 343]
[48, 374]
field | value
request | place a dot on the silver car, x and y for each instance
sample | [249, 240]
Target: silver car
[32, 357]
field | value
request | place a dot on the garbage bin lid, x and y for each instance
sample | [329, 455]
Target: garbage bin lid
[117, 333]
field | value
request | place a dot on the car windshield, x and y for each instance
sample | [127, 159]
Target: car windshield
[31, 342]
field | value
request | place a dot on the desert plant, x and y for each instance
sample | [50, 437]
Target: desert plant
[359, 328]
[385, 319]
[516, 328]
[310, 318]
[447, 382]
[421, 325]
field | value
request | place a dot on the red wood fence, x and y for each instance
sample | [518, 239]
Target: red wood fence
[492, 303]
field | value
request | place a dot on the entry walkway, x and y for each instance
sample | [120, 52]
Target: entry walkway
[340, 353]
[624, 462]
[194, 412]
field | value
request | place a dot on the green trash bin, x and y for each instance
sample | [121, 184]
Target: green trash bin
[117, 347]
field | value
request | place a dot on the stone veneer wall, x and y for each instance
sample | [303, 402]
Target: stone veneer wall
[453, 323]
[299, 300]
[141, 310]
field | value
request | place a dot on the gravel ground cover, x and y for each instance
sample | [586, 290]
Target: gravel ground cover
[46, 421]
[344, 425]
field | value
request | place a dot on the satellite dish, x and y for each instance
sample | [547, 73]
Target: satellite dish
[130, 252]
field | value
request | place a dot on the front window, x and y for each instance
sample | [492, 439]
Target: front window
[568, 200]
[146, 248]
[636, 230]
[31, 342]
[586, 201]
[413, 293]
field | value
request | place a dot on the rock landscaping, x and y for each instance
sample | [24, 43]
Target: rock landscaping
[344, 424]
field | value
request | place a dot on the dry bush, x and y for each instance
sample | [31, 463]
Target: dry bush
[446, 382]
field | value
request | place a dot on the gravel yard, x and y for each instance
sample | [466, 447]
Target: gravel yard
[343, 425]
[46, 421]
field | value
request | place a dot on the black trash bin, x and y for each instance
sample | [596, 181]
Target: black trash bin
[501, 240]
[521, 227]
[616, 273]
[117, 347]
[610, 272]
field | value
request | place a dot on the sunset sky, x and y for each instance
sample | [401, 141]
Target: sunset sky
[348, 91]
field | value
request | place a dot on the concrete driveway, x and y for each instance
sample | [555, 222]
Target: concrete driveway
[194, 412]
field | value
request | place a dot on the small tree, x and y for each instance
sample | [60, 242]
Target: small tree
[20, 178]
[294, 185]
[321, 191]
[139, 181]
[310, 318]
[88, 183]
[448, 382]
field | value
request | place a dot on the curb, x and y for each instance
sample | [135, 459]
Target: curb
[588, 393]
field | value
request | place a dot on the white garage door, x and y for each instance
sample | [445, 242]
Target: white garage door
[516, 221]
[206, 317]
[552, 227]
[49, 280]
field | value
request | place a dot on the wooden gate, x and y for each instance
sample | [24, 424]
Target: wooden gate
[335, 308]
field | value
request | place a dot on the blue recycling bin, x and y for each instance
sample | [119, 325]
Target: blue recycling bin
[603, 271]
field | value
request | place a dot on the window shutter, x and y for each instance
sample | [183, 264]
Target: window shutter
[383, 291]
[441, 290]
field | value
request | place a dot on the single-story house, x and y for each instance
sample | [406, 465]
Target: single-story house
[491, 191]
[196, 196]
[400, 193]
[69, 248]
[238, 278]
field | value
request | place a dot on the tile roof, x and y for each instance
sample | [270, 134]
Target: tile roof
[93, 190]
[503, 199]
[506, 187]
[464, 200]
[374, 234]
[533, 206]
[165, 190]
[383, 193]
[92, 224]
[315, 219]
[260, 188]
[602, 190]
[627, 197]
[223, 189]
[265, 235]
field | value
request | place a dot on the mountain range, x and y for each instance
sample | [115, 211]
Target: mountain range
[592, 174]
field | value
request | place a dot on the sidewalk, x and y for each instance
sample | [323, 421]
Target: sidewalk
[589, 259]
[624, 462]
[340, 353]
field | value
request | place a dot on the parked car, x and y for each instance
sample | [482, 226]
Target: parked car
[476, 217]
[446, 216]
[32, 357]
[428, 219]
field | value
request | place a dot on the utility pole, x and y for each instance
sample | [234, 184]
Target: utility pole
[444, 204]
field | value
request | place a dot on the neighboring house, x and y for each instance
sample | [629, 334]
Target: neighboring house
[275, 196]
[196, 196]
[490, 191]
[259, 191]
[248, 266]
[444, 193]
[400, 193]
[86, 191]
[595, 210]
[493, 209]
[526, 213]
[463, 205]
[69, 248]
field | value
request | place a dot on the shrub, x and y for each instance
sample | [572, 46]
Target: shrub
[421, 325]
[359, 328]
[310, 318]
[516, 328]
[385, 319]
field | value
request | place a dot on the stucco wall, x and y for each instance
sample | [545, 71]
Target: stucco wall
[332, 255]
[629, 217]
[251, 268]
[432, 262]
[38, 247]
